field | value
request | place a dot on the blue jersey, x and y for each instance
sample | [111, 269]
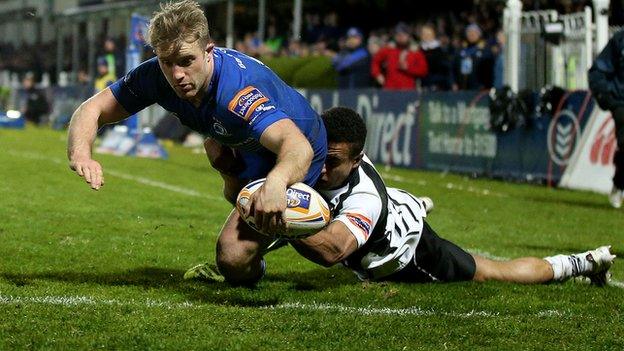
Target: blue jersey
[244, 97]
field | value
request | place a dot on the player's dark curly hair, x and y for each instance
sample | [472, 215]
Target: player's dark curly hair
[345, 125]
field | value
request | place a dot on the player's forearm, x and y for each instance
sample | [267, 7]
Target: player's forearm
[293, 161]
[82, 131]
[317, 250]
[327, 247]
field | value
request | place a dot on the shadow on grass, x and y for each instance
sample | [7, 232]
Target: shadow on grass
[556, 250]
[207, 292]
[589, 204]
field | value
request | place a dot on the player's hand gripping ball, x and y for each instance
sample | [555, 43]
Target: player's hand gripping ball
[306, 210]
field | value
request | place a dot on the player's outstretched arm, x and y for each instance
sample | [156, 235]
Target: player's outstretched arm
[100, 109]
[329, 246]
[294, 156]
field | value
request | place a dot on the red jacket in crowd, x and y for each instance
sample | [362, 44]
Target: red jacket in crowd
[399, 66]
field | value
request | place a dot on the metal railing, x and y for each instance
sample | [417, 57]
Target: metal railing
[537, 56]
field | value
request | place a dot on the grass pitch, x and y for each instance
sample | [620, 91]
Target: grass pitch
[81, 269]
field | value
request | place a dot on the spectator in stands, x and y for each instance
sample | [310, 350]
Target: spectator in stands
[439, 61]
[374, 44]
[274, 42]
[105, 76]
[103, 80]
[498, 50]
[320, 48]
[114, 58]
[312, 27]
[353, 63]
[397, 66]
[85, 85]
[250, 45]
[330, 32]
[35, 105]
[606, 81]
[297, 49]
[473, 63]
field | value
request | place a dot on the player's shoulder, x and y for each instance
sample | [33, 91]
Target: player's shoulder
[238, 69]
[147, 74]
[148, 69]
[366, 180]
[241, 86]
[370, 182]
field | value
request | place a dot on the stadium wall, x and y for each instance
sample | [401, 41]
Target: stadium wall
[451, 132]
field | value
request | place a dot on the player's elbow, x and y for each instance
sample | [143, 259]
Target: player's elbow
[307, 152]
[332, 257]
[329, 260]
[316, 253]
[300, 150]
[88, 112]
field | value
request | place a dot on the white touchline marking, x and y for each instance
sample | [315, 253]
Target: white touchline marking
[68, 301]
[75, 301]
[141, 180]
[157, 184]
[450, 186]
[487, 255]
[398, 178]
[376, 311]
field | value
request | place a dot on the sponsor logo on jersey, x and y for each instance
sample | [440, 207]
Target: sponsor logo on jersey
[360, 221]
[263, 108]
[220, 129]
[246, 102]
[298, 200]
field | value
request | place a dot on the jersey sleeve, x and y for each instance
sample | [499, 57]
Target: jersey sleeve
[255, 106]
[138, 88]
[360, 213]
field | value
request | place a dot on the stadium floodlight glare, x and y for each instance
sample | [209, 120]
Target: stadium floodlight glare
[13, 114]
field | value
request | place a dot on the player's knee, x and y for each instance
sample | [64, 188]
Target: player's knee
[231, 188]
[480, 277]
[221, 157]
[485, 269]
[213, 149]
[230, 196]
[237, 270]
[231, 257]
[235, 262]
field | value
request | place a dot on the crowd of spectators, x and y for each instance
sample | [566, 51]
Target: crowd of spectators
[451, 51]
[454, 51]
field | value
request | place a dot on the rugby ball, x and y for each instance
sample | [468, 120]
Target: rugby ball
[306, 210]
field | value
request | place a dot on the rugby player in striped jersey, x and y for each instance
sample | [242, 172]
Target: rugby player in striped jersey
[381, 233]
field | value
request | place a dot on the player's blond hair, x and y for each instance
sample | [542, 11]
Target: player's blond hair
[177, 23]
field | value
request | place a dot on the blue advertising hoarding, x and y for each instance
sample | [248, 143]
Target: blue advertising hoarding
[450, 131]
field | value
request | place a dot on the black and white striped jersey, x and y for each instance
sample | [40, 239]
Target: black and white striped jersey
[386, 222]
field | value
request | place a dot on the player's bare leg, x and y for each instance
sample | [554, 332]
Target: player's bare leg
[527, 270]
[239, 247]
[593, 264]
[239, 251]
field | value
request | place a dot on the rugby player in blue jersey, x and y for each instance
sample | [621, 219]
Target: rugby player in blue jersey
[257, 126]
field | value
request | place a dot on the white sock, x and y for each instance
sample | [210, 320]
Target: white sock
[568, 266]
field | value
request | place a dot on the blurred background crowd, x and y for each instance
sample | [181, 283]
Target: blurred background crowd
[433, 49]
